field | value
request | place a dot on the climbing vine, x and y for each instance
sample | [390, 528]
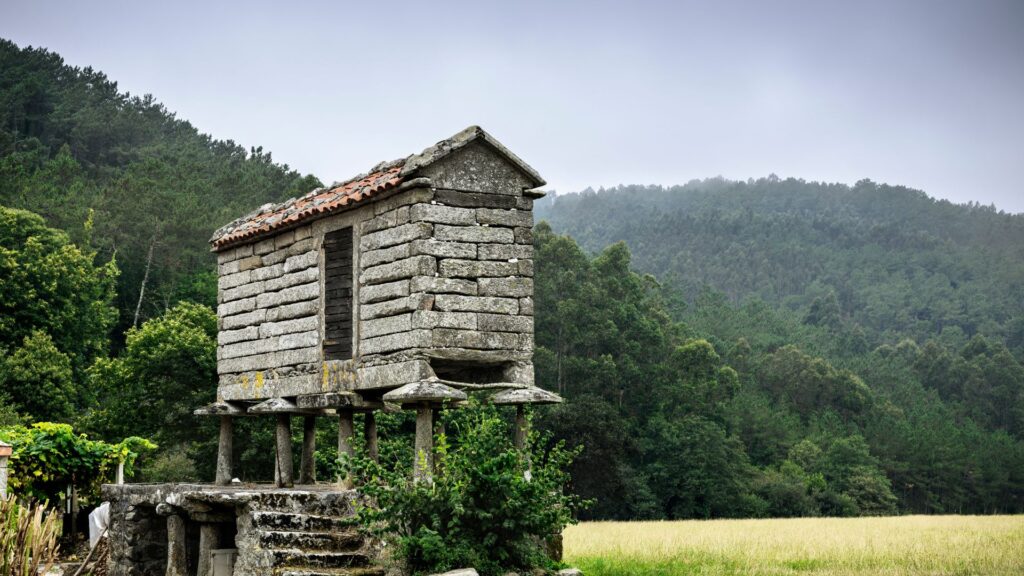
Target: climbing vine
[48, 457]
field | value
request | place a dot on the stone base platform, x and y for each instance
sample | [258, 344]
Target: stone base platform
[172, 529]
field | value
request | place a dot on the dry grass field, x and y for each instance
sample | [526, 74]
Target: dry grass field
[933, 545]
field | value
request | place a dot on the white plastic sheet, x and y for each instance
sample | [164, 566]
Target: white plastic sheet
[99, 519]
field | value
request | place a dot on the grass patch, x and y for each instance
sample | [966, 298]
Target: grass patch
[932, 545]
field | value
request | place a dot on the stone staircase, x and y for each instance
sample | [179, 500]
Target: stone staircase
[298, 533]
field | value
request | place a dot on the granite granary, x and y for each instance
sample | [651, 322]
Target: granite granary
[400, 288]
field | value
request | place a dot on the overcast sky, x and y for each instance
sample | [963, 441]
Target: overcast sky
[928, 94]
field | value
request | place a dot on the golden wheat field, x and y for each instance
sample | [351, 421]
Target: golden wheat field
[933, 545]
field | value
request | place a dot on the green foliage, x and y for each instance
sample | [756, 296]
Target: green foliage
[172, 465]
[40, 379]
[29, 538]
[811, 385]
[167, 369]
[49, 457]
[55, 314]
[480, 509]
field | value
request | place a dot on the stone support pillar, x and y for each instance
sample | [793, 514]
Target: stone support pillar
[522, 428]
[209, 540]
[370, 434]
[522, 431]
[520, 397]
[226, 412]
[307, 466]
[424, 396]
[225, 448]
[177, 561]
[285, 464]
[423, 463]
[346, 437]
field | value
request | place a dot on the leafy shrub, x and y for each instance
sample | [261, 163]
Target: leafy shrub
[29, 538]
[173, 465]
[480, 510]
[47, 457]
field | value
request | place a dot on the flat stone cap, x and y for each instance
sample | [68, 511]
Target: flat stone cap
[431, 390]
[220, 408]
[530, 395]
[281, 406]
[5, 449]
[337, 400]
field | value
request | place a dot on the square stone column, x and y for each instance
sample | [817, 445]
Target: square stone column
[5, 454]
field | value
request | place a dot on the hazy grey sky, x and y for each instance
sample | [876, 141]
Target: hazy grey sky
[926, 93]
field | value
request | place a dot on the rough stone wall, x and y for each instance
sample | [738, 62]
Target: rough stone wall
[274, 531]
[447, 281]
[443, 271]
[268, 310]
[137, 538]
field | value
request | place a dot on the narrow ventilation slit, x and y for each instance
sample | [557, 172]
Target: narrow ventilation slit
[469, 372]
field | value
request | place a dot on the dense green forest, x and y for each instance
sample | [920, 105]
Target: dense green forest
[871, 314]
[801, 349]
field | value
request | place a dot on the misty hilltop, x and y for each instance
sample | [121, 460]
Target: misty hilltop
[898, 262]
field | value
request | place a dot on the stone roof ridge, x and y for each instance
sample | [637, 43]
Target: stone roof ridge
[445, 147]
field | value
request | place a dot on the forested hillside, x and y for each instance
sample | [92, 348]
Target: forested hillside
[773, 348]
[899, 263]
[871, 308]
[150, 186]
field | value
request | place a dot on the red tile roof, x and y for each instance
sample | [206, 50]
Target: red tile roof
[313, 204]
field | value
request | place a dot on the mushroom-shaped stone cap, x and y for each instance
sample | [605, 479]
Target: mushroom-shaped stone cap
[530, 395]
[220, 408]
[432, 391]
[281, 406]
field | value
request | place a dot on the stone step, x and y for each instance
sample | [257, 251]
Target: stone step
[295, 522]
[347, 540]
[333, 503]
[294, 558]
[363, 571]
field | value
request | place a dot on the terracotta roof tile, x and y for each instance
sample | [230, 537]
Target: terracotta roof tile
[316, 203]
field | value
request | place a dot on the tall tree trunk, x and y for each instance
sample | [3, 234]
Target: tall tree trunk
[145, 278]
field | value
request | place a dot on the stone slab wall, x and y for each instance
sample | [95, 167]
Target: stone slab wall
[269, 310]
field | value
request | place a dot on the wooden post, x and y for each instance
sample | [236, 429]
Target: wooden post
[209, 540]
[346, 434]
[370, 434]
[285, 464]
[225, 447]
[74, 512]
[307, 466]
[423, 459]
[177, 561]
